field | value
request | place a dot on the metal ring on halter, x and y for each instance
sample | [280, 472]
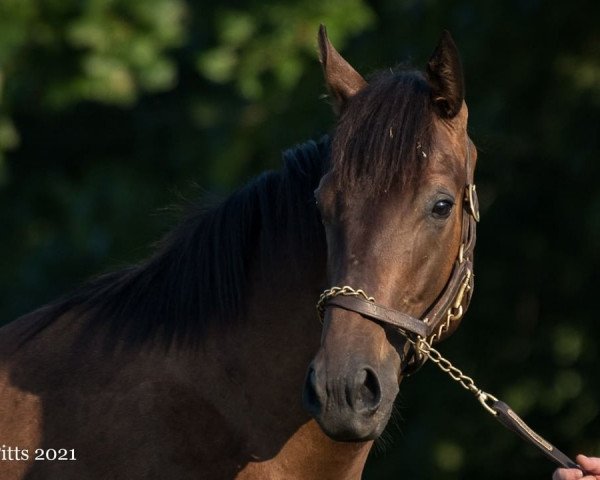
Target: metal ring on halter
[473, 201]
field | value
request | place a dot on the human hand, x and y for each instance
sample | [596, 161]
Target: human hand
[591, 465]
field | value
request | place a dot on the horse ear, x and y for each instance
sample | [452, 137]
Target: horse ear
[445, 77]
[342, 80]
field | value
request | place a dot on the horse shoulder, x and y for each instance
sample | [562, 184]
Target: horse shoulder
[126, 411]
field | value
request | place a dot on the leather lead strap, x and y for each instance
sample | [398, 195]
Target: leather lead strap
[512, 421]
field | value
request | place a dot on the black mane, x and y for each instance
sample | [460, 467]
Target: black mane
[199, 275]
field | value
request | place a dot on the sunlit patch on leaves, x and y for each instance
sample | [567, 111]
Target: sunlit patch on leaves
[583, 73]
[218, 64]
[449, 456]
[567, 344]
[9, 137]
[123, 50]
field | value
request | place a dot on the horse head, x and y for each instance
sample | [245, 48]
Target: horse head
[392, 207]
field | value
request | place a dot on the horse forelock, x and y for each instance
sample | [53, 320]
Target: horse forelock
[383, 132]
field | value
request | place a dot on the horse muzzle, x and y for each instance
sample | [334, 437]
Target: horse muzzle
[351, 395]
[350, 408]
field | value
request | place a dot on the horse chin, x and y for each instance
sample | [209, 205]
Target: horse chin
[352, 428]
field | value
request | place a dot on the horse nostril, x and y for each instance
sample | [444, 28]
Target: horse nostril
[368, 391]
[310, 397]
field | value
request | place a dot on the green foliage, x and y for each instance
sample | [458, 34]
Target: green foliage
[112, 109]
[243, 55]
[64, 52]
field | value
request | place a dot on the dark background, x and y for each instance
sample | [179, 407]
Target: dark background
[112, 111]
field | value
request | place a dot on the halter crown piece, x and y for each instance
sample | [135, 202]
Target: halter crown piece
[450, 306]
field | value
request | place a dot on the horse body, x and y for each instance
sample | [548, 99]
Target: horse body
[191, 364]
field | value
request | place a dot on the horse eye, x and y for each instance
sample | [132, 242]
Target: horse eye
[442, 208]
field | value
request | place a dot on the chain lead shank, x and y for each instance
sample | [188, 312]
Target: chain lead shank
[445, 365]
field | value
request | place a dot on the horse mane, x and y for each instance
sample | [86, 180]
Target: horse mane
[199, 274]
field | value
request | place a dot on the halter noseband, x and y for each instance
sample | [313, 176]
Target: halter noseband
[450, 306]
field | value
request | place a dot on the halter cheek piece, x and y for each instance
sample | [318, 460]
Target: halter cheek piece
[451, 304]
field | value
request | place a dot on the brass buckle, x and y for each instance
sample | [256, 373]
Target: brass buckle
[472, 201]
[464, 287]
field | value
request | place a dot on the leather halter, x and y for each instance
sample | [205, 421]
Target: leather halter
[451, 304]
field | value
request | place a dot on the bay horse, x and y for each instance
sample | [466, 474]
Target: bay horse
[192, 364]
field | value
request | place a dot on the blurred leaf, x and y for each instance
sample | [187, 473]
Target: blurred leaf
[271, 40]
[449, 456]
[568, 344]
[9, 138]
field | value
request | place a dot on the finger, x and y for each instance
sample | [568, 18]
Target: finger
[589, 464]
[567, 474]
